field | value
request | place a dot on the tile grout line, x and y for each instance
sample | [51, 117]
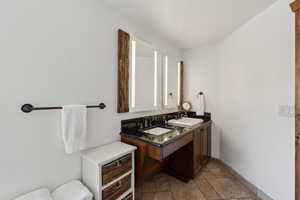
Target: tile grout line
[212, 185]
[233, 178]
[238, 178]
[172, 195]
[198, 187]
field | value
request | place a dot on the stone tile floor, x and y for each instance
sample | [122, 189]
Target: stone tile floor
[214, 183]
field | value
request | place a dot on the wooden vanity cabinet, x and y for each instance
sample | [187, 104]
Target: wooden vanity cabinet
[152, 159]
[201, 147]
[204, 146]
[182, 158]
[207, 154]
[187, 162]
[197, 150]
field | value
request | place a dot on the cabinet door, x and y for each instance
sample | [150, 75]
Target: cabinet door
[201, 147]
[209, 141]
[204, 146]
[197, 150]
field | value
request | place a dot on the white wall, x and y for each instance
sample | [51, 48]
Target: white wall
[254, 78]
[200, 70]
[54, 53]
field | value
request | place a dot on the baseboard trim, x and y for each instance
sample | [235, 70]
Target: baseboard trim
[258, 192]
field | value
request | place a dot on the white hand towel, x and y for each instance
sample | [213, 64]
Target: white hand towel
[41, 194]
[74, 127]
[201, 107]
[73, 190]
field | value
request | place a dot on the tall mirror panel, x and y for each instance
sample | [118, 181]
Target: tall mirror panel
[143, 76]
[172, 82]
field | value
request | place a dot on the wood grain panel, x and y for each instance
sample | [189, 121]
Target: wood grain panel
[197, 145]
[117, 189]
[116, 169]
[208, 129]
[154, 152]
[204, 147]
[296, 8]
[123, 71]
[295, 5]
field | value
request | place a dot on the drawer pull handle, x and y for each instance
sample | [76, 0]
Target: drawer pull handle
[118, 163]
[119, 183]
[128, 197]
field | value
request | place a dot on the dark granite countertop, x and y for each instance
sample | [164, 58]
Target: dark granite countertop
[175, 134]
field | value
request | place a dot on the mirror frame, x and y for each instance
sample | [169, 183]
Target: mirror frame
[123, 71]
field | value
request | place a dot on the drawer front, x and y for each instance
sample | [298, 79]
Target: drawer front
[128, 197]
[115, 169]
[117, 189]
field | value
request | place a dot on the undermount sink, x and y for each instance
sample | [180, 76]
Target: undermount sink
[157, 131]
[185, 122]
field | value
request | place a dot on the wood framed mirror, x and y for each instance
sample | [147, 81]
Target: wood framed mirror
[143, 81]
[123, 71]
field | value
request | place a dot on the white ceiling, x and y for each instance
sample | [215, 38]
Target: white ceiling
[191, 23]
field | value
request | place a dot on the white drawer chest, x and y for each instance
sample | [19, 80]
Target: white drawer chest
[108, 171]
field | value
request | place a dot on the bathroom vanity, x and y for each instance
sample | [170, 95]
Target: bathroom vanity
[181, 152]
[151, 79]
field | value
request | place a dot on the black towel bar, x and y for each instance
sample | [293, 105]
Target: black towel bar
[27, 108]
